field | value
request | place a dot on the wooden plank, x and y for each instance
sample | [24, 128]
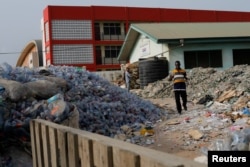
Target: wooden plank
[33, 143]
[148, 157]
[148, 162]
[86, 152]
[38, 136]
[156, 157]
[73, 150]
[125, 158]
[63, 147]
[53, 147]
[46, 146]
[102, 155]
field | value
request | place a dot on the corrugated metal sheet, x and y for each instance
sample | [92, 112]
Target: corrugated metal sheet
[160, 31]
[166, 32]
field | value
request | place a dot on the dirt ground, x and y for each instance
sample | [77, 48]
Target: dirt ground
[170, 136]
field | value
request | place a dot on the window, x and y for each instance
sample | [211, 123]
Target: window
[205, 58]
[112, 29]
[112, 51]
[107, 55]
[241, 56]
[111, 54]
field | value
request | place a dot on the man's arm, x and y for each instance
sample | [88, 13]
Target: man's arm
[170, 77]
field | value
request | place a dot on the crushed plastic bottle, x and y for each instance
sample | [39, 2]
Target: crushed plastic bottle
[58, 96]
[246, 111]
[240, 139]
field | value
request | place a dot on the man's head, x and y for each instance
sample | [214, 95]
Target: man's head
[177, 64]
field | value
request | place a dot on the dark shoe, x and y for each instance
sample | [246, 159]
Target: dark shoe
[185, 108]
[179, 112]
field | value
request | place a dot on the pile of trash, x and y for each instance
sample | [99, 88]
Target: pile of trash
[75, 97]
[69, 96]
[202, 129]
[225, 95]
[134, 79]
[208, 84]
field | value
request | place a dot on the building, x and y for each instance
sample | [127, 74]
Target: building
[99, 46]
[31, 55]
[93, 36]
[219, 44]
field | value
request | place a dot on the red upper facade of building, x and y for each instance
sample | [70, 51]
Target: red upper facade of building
[92, 36]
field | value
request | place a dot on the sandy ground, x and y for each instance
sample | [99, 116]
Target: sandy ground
[174, 141]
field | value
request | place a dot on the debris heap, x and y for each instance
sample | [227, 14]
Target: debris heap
[208, 84]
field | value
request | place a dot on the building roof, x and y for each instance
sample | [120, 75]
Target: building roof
[28, 48]
[209, 32]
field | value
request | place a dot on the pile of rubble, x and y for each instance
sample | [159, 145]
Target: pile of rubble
[208, 84]
[222, 121]
[203, 128]
[134, 82]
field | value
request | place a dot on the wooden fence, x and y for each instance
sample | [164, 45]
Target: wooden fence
[61, 146]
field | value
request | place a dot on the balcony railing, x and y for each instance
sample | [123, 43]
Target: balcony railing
[110, 37]
[109, 61]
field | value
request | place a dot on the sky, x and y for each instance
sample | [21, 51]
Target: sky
[20, 20]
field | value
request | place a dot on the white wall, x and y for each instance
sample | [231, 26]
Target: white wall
[145, 48]
[110, 75]
[175, 52]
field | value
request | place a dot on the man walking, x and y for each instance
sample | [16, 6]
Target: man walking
[127, 78]
[178, 75]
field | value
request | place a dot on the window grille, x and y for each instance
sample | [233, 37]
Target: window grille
[112, 51]
[73, 54]
[112, 28]
[203, 58]
[71, 29]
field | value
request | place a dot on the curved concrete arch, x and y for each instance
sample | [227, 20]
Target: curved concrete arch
[37, 44]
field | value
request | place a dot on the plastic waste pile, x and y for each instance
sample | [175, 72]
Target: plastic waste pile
[236, 131]
[206, 84]
[56, 92]
[237, 140]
